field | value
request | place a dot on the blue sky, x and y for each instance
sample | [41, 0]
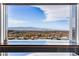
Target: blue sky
[53, 17]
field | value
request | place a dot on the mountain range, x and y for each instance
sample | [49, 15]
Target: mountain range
[32, 29]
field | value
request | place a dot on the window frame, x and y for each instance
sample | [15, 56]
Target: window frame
[4, 31]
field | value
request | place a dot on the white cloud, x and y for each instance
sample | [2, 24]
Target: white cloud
[55, 12]
[16, 23]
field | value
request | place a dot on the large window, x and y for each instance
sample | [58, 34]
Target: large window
[38, 24]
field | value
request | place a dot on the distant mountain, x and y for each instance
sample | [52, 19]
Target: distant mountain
[32, 29]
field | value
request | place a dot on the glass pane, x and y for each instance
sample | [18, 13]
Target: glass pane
[38, 24]
[73, 41]
[42, 54]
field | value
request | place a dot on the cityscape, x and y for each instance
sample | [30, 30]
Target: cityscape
[36, 33]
